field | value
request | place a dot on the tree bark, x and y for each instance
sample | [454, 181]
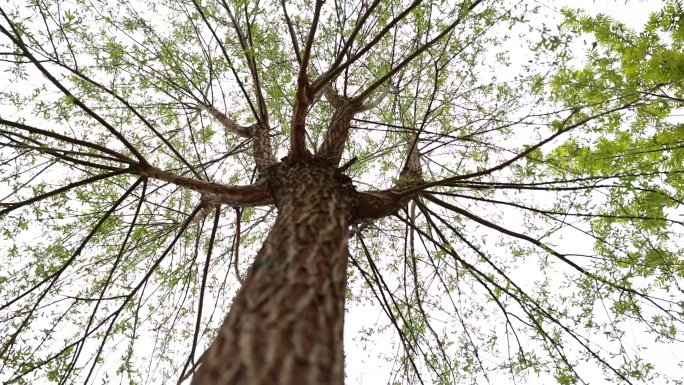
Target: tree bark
[285, 325]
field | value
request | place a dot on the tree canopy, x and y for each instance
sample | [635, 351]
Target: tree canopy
[544, 243]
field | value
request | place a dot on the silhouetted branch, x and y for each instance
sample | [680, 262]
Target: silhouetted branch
[200, 11]
[293, 34]
[304, 94]
[52, 278]
[235, 196]
[11, 206]
[200, 305]
[337, 68]
[19, 43]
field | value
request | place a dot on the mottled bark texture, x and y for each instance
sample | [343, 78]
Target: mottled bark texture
[285, 324]
[258, 132]
[335, 137]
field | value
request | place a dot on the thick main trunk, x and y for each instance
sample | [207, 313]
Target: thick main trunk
[285, 325]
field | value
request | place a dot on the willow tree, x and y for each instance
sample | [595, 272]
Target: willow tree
[165, 163]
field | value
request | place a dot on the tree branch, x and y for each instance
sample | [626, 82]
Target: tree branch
[293, 35]
[234, 196]
[345, 109]
[236, 261]
[412, 171]
[248, 51]
[420, 50]
[336, 70]
[200, 305]
[258, 132]
[225, 121]
[16, 39]
[261, 144]
[304, 94]
[146, 122]
[561, 128]
[350, 40]
[226, 56]
[378, 204]
[378, 100]
[15, 205]
[337, 133]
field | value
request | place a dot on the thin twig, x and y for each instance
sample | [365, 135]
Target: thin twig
[238, 219]
[193, 368]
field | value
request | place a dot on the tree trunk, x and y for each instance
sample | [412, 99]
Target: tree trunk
[285, 324]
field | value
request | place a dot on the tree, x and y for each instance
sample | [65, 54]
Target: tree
[426, 156]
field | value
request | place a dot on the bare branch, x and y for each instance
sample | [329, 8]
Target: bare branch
[303, 95]
[225, 121]
[259, 133]
[448, 30]
[293, 35]
[235, 196]
[336, 70]
[412, 170]
[16, 39]
[236, 261]
[350, 40]
[248, 51]
[379, 99]
[15, 205]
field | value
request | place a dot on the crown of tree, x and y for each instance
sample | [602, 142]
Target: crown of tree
[220, 192]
